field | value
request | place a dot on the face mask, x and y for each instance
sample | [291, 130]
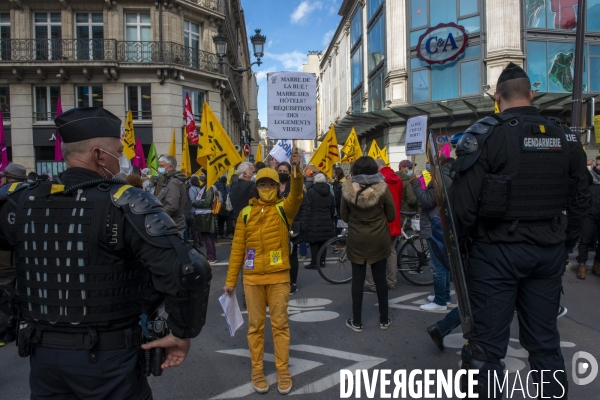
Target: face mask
[202, 180]
[123, 163]
[146, 186]
[589, 167]
[409, 173]
[283, 177]
[162, 171]
[267, 195]
[253, 179]
[427, 167]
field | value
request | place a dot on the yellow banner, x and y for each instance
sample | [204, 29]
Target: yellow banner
[374, 150]
[186, 163]
[129, 137]
[496, 108]
[215, 148]
[383, 154]
[173, 146]
[259, 156]
[597, 128]
[230, 173]
[351, 149]
[327, 155]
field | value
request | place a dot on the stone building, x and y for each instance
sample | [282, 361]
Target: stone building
[138, 55]
[374, 73]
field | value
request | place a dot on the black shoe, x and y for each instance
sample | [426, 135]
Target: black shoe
[310, 267]
[436, 336]
[293, 288]
[562, 311]
[355, 327]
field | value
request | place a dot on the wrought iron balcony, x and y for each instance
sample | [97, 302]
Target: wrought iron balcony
[107, 50]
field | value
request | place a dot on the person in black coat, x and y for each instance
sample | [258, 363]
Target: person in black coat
[317, 218]
[223, 225]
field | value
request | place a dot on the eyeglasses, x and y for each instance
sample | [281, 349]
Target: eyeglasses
[265, 185]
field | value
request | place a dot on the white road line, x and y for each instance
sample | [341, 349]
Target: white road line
[296, 366]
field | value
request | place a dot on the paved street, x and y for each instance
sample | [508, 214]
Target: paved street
[218, 365]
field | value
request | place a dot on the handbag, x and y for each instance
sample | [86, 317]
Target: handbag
[217, 203]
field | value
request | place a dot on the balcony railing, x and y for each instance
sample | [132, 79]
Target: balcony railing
[214, 5]
[92, 50]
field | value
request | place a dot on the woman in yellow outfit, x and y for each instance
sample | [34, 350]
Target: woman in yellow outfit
[261, 249]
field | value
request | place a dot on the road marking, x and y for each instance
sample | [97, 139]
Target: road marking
[296, 366]
[364, 362]
[395, 303]
[314, 316]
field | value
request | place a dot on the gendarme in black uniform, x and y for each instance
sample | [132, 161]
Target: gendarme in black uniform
[93, 254]
[515, 175]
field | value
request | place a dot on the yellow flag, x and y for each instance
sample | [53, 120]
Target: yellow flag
[374, 150]
[327, 155]
[351, 149]
[215, 148]
[230, 173]
[496, 108]
[173, 147]
[383, 154]
[258, 157]
[129, 137]
[186, 163]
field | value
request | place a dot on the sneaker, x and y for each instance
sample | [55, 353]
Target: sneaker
[431, 297]
[308, 265]
[562, 311]
[211, 262]
[355, 328]
[284, 381]
[369, 291]
[293, 288]
[302, 258]
[229, 236]
[385, 325]
[433, 307]
[259, 382]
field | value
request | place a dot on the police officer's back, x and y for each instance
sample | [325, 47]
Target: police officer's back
[515, 175]
[92, 255]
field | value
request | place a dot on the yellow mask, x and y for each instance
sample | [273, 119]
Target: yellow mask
[267, 195]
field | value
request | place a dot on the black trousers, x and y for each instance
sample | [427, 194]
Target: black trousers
[314, 252]
[224, 227]
[503, 276]
[358, 280]
[294, 264]
[590, 232]
[68, 375]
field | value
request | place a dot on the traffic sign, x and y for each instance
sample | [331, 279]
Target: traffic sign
[247, 150]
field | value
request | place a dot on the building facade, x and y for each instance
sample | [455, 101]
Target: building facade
[373, 79]
[138, 55]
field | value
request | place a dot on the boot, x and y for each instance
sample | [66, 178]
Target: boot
[581, 271]
[596, 268]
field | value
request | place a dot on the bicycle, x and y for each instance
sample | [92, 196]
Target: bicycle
[413, 256]
[413, 259]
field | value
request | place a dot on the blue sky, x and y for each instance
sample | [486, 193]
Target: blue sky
[293, 28]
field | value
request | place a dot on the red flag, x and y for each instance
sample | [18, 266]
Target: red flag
[139, 160]
[3, 153]
[190, 124]
[58, 155]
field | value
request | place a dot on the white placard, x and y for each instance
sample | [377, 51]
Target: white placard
[416, 129]
[282, 151]
[292, 105]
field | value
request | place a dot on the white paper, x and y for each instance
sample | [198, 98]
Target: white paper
[416, 129]
[282, 150]
[292, 105]
[233, 315]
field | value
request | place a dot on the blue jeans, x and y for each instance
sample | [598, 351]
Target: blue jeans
[303, 248]
[450, 321]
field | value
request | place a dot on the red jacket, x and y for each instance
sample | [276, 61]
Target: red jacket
[394, 183]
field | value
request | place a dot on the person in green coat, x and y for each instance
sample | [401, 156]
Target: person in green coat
[202, 201]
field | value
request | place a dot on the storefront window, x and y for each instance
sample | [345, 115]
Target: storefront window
[419, 12]
[420, 85]
[444, 84]
[429, 13]
[468, 84]
[595, 68]
[553, 14]
[442, 11]
[357, 67]
[376, 44]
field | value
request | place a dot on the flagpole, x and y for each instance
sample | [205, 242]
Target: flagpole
[294, 148]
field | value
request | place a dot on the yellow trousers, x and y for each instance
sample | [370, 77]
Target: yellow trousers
[258, 297]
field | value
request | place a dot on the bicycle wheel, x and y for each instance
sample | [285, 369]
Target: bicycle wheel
[336, 268]
[413, 262]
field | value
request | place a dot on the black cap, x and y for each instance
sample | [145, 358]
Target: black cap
[84, 123]
[512, 71]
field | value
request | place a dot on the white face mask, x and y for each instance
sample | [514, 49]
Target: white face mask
[123, 164]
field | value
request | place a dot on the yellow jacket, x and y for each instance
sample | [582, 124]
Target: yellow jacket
[267, 235]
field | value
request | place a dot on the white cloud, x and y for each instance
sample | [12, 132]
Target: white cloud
[260, 75]
[291, 61]
[303, 11]
[327, 37]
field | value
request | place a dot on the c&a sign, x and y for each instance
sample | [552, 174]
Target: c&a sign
[442, 43]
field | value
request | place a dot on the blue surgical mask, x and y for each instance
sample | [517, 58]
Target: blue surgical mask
[427, 167]
[409, 173]
[162, 171]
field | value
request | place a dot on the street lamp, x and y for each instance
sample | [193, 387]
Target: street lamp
[258, 45]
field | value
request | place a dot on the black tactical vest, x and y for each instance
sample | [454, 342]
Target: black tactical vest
[70, 271]
[534, 183]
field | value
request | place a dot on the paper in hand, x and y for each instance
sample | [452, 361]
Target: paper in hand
[233, 315]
